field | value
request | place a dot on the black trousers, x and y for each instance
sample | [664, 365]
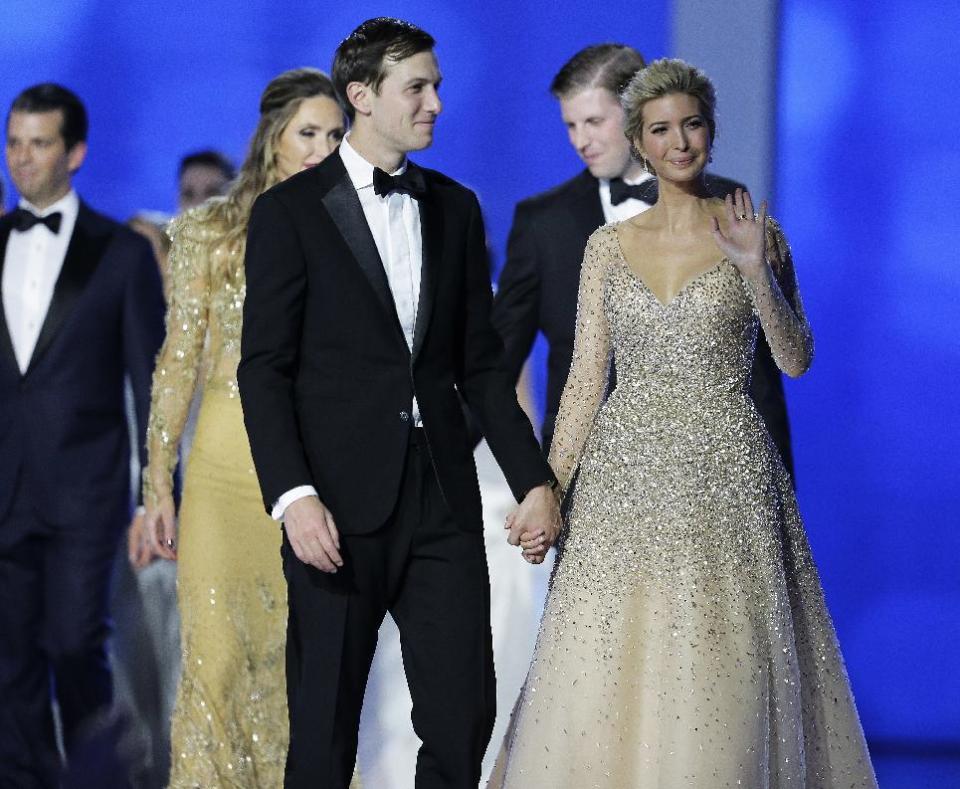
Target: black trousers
[432, 578]
[53, 630]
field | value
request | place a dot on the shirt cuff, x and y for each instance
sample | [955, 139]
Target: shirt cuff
[281, 504]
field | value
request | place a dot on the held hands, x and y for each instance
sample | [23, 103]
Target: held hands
[313, 535]
[535, 524]
[160, 528]
[745, 242]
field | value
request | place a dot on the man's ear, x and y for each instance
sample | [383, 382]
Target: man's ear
[75, 156]
[358, 94]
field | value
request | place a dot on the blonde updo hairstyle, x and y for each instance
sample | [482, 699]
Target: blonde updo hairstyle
[279, 103]
[661, 78]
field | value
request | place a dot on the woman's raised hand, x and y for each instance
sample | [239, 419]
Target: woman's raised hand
[745, 242]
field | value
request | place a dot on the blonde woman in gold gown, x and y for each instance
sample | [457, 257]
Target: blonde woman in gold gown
[230, 721]
[685, 643]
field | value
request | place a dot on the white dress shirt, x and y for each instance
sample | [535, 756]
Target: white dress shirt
[31, 267]
[394, 221]
[629, 207]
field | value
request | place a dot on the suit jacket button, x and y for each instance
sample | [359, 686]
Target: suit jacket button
[404, 416]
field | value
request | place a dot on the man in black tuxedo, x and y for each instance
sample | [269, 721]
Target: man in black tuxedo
[367, 311]
[540, 279]
[82, 310]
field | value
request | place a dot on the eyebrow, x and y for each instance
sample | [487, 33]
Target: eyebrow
[696, 116]
[423, 81]
[34, 138]
[682, 120]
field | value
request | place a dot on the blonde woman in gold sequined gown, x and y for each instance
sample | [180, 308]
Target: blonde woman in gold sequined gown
[230, 721]
[685, 643]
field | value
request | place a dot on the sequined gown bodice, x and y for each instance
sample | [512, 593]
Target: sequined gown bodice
[685, 641]
[204, 321]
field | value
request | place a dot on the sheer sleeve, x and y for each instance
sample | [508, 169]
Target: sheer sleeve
[777, 302]
[590, 367]
[176, 371]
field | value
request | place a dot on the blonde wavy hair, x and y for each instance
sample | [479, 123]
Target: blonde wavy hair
[230, 214]
[661, 78]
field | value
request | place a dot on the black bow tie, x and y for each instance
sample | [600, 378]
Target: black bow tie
[23, 220]
[410, 181]
[645, 191]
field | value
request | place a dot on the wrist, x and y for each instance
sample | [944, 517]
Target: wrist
[154, 497]
[755, 270]
[547, 486]
[156, 483]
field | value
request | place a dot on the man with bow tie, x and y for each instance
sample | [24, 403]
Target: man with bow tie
[367, 312]
[540, 279]
[82, 309]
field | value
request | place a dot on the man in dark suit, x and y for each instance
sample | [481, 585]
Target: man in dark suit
[82, 309]
[367, 311]
[540, 279]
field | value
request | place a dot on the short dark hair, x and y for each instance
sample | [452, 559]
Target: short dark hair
[208, 158]
[361, 55]
[49, 97]
[609, 66]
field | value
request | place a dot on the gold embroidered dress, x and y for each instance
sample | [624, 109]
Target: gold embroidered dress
[230, 721]
[685, 643]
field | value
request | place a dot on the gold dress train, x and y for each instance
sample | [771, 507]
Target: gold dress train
[685, 642]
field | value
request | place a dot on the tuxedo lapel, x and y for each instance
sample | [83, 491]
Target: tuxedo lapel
[586, 206]
[344, 207]
[6, 343]
[84, 252]
[431, 232]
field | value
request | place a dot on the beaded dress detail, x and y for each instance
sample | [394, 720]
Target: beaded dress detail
[685, 642]
[230, 721]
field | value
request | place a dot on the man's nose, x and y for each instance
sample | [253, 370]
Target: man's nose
[432, 101]
[579, 138]
[18, 155]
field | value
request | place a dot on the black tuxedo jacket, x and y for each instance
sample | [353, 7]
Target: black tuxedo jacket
[539, 284]
[326, 378]
[63, 425]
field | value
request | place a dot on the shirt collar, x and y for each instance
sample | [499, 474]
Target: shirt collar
[68, 205]
[358, 168]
